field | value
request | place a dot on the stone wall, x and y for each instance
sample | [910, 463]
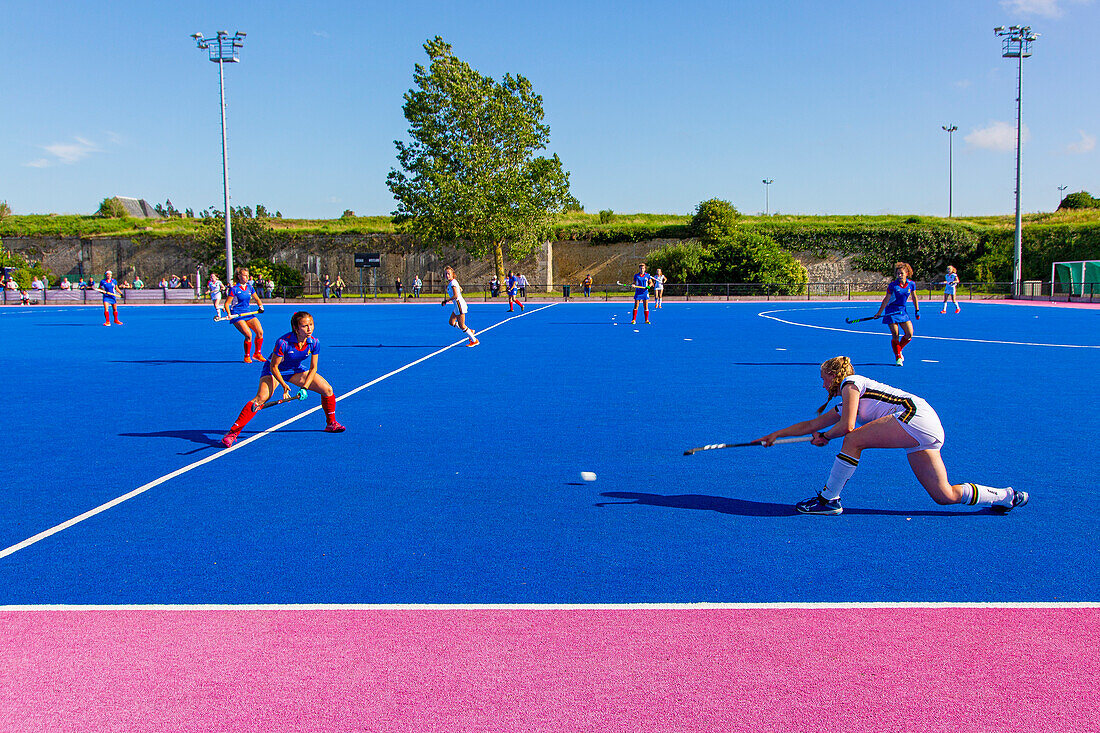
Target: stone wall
[319, 255]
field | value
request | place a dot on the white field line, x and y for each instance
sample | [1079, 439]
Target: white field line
[768, 314]
[179, 472]
[855, 605]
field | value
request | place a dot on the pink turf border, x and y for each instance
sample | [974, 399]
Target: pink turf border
[758, 669]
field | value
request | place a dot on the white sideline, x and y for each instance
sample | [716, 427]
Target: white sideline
[178, 472]
[809, 606]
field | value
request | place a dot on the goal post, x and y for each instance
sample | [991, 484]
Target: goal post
[1076, 278]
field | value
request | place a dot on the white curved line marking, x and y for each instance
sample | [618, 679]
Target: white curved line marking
[767, 314]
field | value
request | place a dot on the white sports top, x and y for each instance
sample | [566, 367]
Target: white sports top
[454, 290]
[877, 400]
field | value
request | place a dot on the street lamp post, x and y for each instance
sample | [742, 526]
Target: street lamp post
[767, 187]
[223, 50]
[1061, 197]
[950, 129]
[1017, 45]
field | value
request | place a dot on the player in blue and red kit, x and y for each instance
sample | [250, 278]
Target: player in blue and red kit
[897, 293]
[293, 360]
[242, 314]
[512, 286]
[642, 281]
[110, 289]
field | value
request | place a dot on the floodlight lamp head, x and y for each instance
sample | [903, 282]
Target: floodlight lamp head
[196, 36]
[998, 29]
[242, 34]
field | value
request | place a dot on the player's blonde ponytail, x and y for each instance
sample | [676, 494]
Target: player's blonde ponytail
[838, 369]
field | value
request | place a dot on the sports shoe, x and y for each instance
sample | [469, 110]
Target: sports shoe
[259, 357]
[944, 311]
[900, 361]
[473, 342]
[106, 323]
[247, 359]
[334, 427]
[958, 310]
[819, 505]
[230, 438]
[118, 322]
[632, 323]
[1019, 498]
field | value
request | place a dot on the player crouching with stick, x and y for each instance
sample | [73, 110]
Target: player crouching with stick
[889, 418]
[288, 364]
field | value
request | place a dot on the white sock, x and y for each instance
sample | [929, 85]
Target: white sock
[469, 332]
[985, 496]
[843, 468]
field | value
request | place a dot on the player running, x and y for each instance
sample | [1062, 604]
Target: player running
[950, 281]
[454, 295]
[242, 314]
[293, 360]
[215, 288]
[888, 418]
[897, 293]
[111, 290]
[642, 281]
[512, 286]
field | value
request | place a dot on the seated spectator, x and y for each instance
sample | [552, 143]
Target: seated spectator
[65, 284]
[174, 281]
[138, 284]
[163, 283]
[36, 284]
[24, 298]
[126, 284]
[186, 283]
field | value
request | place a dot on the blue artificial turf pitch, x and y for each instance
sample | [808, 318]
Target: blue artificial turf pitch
[457, 480]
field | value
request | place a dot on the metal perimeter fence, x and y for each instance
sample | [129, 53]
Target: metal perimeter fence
[1032, 290]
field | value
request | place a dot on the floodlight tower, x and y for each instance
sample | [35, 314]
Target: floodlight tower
[1061, 196]
[1017, 45]
[223, 50]
[950, 129]
[767, 187]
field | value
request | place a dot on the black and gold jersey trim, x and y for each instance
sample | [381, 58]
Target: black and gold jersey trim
[906, 402]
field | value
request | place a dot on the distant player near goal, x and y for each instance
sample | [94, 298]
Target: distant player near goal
[454, 295]
[889, 418]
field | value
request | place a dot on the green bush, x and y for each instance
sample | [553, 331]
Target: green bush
[713, 219]
[1079, 200]
[111, 208]
[606, 215]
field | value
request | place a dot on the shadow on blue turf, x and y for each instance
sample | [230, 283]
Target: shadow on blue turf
[806, 363]
[746, 508]
[205, 438]
[385, 346]
[175, 361]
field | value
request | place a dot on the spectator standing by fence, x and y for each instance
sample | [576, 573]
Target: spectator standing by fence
[138, 284]
[587, 285]
[398, 287]
[338, 287]
[65, 284]
[522, 286]
[270, 288]
[418, 285]
[494, 287]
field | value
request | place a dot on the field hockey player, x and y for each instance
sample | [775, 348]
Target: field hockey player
[242, 314]
[888, 418]
[454, 295]
[293, 360]
[896, 315]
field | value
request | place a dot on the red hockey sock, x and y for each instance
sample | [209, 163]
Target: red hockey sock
[248, 347]
[902, 345]
[259, 344]
[634, 317]
[328, 404]
[246, 414]
[896, 347]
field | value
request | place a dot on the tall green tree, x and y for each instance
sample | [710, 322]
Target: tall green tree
[470, 176]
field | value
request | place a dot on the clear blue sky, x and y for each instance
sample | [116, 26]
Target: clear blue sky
[653, 106]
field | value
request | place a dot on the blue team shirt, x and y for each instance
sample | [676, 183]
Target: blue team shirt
[949, 282]
[513, 285]
[294, 360]
[242, 295]
[108, 287]
[899, 295]
[641, 286]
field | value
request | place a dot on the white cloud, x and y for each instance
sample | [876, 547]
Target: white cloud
[65, 153]
[1086, 144]
[962, 84]
[1044, 8]
[321, 34]
[1000, 136]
